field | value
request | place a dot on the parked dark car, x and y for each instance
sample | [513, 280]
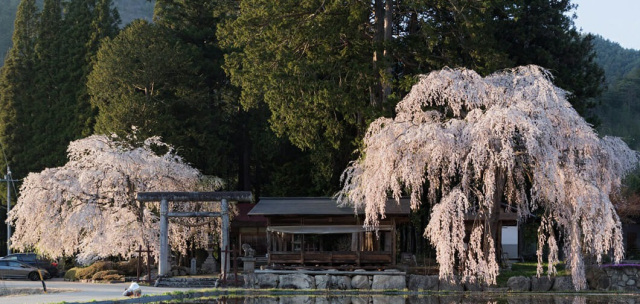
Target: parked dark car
[34, 260]
[17, 270]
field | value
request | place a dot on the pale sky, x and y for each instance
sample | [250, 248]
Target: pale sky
[615, 20]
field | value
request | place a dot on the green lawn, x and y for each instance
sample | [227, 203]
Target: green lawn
[527, 270]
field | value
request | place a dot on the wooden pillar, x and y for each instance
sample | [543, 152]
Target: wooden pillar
[302, 250]
[163, 263]
[224, 260]
[393, 244]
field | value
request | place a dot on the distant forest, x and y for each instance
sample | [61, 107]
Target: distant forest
[618, 107]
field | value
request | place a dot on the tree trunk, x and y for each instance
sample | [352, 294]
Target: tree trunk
[388, 30]
[495, 225]
[383, 26]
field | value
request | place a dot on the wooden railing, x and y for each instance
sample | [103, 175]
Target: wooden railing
[330, 257]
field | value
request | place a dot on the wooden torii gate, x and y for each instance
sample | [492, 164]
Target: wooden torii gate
[165, 197]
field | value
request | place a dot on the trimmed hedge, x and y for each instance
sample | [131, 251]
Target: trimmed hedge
[107, 275]
[103, 271]
[70, 275]
[87, 273]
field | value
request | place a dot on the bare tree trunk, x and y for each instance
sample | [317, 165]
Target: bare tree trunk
[383, 26]
[388, 30]
[378, 38]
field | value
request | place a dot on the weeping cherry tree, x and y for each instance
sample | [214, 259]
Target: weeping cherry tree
[88, 207]
[480, 146]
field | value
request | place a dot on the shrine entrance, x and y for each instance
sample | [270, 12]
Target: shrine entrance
[165, 197]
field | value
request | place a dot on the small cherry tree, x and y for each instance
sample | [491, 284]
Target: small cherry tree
[88, 207]
[476, 145]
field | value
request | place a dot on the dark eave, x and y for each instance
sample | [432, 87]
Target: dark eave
[273, 206]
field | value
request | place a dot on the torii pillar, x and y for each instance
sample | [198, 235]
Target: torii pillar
[165, 197]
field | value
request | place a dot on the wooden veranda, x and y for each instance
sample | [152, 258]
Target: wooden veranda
[316, 232]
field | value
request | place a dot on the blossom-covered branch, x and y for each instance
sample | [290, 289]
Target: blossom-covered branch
[479, 144]
[88, 208]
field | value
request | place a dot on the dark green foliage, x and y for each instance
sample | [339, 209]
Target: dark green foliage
[542, 32]
[306, 81]
[209, 133]
[148, 78]
[325, 71]
[143, 78]
[44, 100]
[17, 89]
[86, 23]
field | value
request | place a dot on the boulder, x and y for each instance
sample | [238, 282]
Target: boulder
[452, 284]
[423, 282]
[297, 299]
[563, 283]
[360, 299]
[543, 283]
[322, 281]
[339, 282]
[360, 282]
[327, 299]
[249, 280]
[385, 282]
[519, 283]
[296, 281]
[475, 286]
[267, 280]
[388, 299]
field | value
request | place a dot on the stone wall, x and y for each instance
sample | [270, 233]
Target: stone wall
[355, 280]
[598, 278]
[614, 277]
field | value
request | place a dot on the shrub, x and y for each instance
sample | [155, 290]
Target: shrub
[70, 275]
[113, 277]
[128, 268]
[107, 275]
[88, 272]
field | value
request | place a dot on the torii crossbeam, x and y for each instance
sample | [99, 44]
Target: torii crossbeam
[165, 197]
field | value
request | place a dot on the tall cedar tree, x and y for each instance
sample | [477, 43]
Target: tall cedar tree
[209, 131]
[44, 95]
[17, 90]
[311, 63]
[49, 115]
[145, 79]
[221, 137]
[542, 32]
[86, 24]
